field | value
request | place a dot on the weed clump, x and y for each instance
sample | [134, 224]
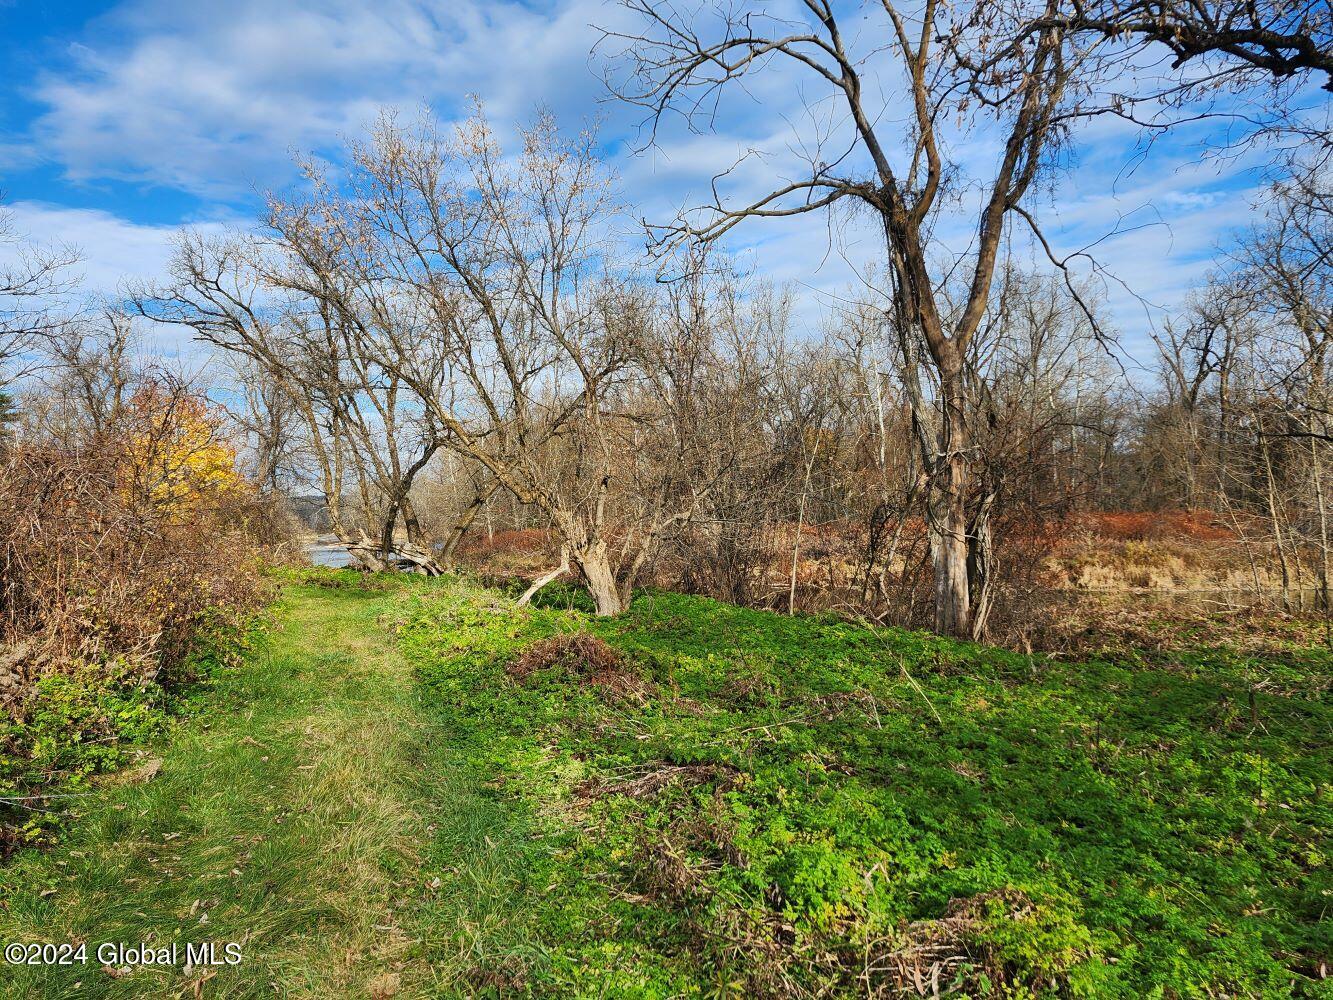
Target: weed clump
[647, 781]
[995, 942]
[582, 656]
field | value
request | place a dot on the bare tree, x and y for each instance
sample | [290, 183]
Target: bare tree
[514, 357]
[1275, 39]
[739, 421]
[678, 65]
[267, 421]
[442, 296]
[1288, 271]
[90, 369]
[363, 430]
[31, 285]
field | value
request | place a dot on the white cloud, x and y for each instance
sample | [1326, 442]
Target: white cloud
[212, 98]
[114, 255]
[113, 252]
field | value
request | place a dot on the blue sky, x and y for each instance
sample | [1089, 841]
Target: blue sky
[123, 121]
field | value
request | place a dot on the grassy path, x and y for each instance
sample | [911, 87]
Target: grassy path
[301, 817]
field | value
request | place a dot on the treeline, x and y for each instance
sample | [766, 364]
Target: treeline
[439, 330]
[443, 341]
[1240, 422]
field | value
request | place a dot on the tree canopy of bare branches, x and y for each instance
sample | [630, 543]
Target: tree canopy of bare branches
[1276, 39]
[682, 64]
[30, 288]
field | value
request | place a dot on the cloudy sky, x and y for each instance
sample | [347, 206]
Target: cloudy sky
[122, 122]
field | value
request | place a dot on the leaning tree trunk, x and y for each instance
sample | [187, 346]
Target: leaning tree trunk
[594, 565]
[545, 578]
[387, 529]
[464, 521]
[412, 523]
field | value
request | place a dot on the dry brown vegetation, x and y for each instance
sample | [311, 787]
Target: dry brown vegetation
[1090, 581]
[590, 659]
[130, 558]
[92, 578]
[117, 548]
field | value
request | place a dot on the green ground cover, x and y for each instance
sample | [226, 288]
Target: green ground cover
[411, 789]
[750, 803]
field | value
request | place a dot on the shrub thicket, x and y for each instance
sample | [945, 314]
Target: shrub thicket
[125, 553]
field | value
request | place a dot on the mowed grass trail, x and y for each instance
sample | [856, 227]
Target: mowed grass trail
[297, 816]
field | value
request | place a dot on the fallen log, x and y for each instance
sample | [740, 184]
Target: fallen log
[544, 579]
[406, 558]
[417, 560]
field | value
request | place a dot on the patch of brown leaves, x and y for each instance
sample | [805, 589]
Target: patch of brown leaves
[507, 977]
[586, 657]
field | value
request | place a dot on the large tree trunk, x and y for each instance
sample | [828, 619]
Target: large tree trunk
[949, 525]
[953, 613]
[594, 566]
[368, 554]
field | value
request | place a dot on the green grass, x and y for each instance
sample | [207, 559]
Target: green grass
[291, 815]
[376, 803]
[791, 805]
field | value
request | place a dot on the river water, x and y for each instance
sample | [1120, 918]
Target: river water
[328, 551]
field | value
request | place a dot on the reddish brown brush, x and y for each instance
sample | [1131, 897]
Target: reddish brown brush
[96, 570]
[526, 541]
[1199, 525]
[583, 656]
[576, 652]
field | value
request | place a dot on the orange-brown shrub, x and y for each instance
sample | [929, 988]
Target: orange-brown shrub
[1137, 526]
[120, 548]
